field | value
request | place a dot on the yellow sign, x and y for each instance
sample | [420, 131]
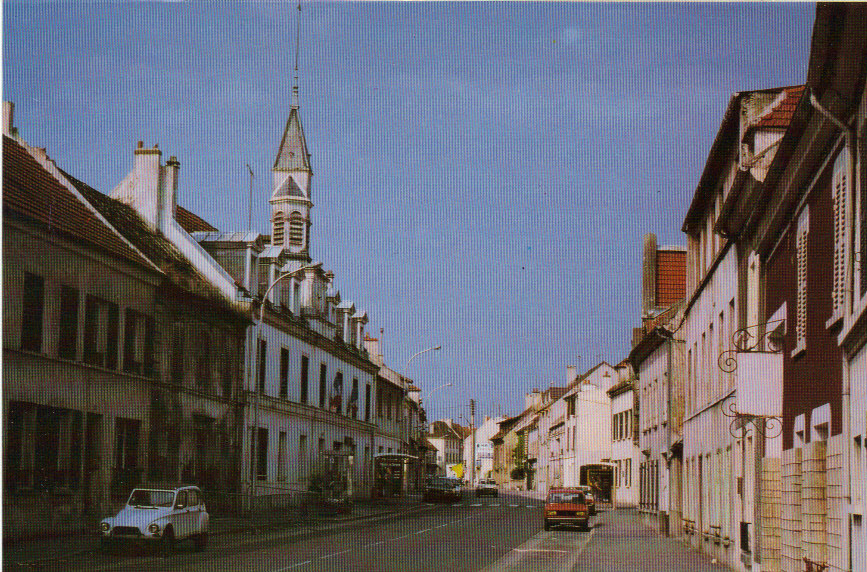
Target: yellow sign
[457, 470]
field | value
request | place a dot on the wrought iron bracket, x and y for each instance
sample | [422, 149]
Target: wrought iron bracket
[768, 427]
[755, 338]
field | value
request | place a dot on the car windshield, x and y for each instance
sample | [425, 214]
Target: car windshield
[564, 498]
[142, 497]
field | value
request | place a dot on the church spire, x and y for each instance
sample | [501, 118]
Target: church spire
[291, 194]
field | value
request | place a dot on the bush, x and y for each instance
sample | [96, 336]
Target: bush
[518, 473]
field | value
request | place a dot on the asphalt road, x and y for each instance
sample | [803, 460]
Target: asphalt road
[479, 535]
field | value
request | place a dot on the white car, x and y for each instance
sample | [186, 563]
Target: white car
[487, 487]
[159, 514]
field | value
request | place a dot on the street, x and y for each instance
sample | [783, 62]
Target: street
[491, 534]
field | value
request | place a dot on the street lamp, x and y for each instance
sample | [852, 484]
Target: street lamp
[406, 369]
[254, 373]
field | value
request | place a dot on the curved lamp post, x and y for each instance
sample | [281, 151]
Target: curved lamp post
[254, 374]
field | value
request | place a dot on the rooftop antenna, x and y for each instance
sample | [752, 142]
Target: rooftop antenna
[250, 204]
[295, 102]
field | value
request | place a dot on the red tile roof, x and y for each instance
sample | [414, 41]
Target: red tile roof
[781, 114]
[31, 192]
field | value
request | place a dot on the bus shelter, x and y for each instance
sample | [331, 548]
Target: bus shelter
[391, 473]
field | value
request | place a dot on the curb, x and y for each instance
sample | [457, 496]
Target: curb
[313, 531]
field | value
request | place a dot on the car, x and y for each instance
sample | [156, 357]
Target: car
[441, 489]
[487, 487]
[591, 500]
[566, 507]
[159, 515]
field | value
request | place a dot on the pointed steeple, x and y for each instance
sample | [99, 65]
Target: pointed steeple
[292, 154]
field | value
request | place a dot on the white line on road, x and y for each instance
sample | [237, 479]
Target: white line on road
[334, 554]
[294, 566]
[538, 550]
[476, 504]
[423, 531]
[513, 505]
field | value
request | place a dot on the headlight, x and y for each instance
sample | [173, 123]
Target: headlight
[104, 526]
[154, 528]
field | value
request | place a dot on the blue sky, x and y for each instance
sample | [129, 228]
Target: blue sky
[483, 172]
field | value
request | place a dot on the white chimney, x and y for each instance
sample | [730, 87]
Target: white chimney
[571, 373]
[8, 117]
[143, 195]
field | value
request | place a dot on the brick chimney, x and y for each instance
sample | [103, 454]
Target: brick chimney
[648, 275]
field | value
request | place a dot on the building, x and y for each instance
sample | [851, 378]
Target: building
[625, 454]
[484, 457]
[448, 439]
[122, 351]
[805, 293]
[722, 452]
[657, 359]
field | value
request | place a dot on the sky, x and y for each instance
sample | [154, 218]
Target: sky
[484, 172]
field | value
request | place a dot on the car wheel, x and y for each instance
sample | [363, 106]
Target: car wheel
[168, 541]
[547, 525]
[201, 541]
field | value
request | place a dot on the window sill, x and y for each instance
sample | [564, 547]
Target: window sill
[799, 349]
[834, 321]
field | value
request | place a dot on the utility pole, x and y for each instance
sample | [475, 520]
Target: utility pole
[472, 442]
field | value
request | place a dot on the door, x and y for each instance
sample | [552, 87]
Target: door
[181, 515]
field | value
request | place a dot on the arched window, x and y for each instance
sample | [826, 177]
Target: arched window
[277, 229]
[296, 229]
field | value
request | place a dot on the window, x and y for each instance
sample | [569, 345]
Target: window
[305, 366]
[262, 454]
[838, 199]
[34, 305]
[284, 373]
[178, 353]
[296, 229]
[323, 384]
[100, 332]
[68, 328]
[227, 373]
[352, 404]
[126, 440]
[262, 365]
[302, 455]
[203, 362]
[277, 229]
[281, 456]
[138, 343]
[801, 256]
[367, 402]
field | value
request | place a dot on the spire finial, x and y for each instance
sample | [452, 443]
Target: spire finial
[295, 97]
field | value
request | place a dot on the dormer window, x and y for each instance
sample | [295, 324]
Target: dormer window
[277, 231]
[296, 229]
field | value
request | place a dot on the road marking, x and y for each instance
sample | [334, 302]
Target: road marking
[476, 504]
[539, 550]
[442, 525]
[459, 504]
[294, 566]
[513, 505]
[334, 554]
[423, 531]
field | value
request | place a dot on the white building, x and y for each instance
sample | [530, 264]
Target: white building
[624, 446]
[484, 457]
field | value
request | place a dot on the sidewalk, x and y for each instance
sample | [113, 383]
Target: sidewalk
[292, 520]
[621, 542]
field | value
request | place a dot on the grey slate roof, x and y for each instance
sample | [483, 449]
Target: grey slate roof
[292, 154]
[289, 188]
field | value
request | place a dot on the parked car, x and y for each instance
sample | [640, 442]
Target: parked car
[159, 514]
[591, 500]
[441, 489]
[566, 506]
[487, 487]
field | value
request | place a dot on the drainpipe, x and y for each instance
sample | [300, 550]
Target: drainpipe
[849, 134]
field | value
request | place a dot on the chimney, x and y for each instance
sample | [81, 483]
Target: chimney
[8, 118]
[169, 190]
[648, 276]
[571, 373]
[144, 195]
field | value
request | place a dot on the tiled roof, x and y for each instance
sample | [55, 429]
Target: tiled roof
[155, 247]
[32, 192]
[780, 114]
[670, 277]
[191, 222]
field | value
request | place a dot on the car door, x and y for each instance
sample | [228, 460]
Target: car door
[195, 512]
[181, 517]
